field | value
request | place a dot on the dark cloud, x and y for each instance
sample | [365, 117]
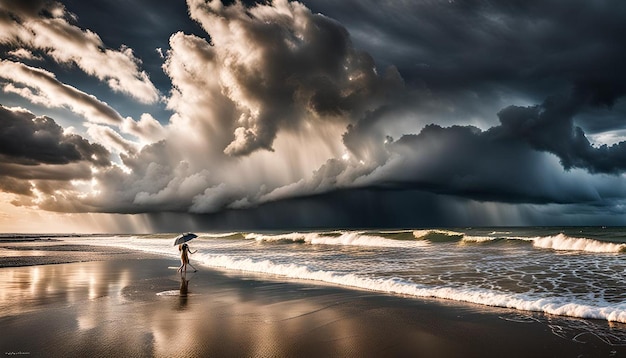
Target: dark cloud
[450, 43]
[37, 159]
[31, 140]
[16, 186]
[527, 50]
[506, 163]
[343, 114]
[372, 208]
[466, 162]
[363, 208]
[550, 127]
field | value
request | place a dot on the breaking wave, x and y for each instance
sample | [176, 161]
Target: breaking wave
[525, 302]
[348, 238]
[565, 243]
[559, 242]
[438, 235]
[430, 263]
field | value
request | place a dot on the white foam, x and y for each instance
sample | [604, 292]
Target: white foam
[479, 239]
[551, 305]
[560, 242]
[500, 233]
[564, 242]
[360, 239]
[419, 234]
[595, 308]
[349, 238]
[217, 235]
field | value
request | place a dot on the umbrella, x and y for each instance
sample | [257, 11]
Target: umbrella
[184, 238]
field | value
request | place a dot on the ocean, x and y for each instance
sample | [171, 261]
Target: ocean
[577, 272]
[568, 271]
[484, 292]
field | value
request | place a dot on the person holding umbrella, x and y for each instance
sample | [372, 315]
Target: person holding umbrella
[185, 251]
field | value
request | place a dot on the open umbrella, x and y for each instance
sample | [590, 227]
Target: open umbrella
[184, 238]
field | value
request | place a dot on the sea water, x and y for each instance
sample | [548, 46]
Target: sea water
[577, 272]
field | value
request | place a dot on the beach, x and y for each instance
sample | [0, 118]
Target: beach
[123, 303]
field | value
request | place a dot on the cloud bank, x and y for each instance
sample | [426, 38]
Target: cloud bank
[458, 106]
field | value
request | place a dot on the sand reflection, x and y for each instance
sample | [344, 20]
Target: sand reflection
[24, 289]
[239, 321]
[114, 307]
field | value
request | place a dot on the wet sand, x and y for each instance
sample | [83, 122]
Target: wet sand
[134, 305]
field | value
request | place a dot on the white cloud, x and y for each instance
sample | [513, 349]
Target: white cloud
[147, 129]
[110, 139]
[275, 69]
[24, 54]
[41, 86]
[69, 44]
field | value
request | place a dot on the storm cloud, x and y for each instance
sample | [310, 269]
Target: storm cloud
[30, 140]
[36, 154]
[282, 66]
[331, 113]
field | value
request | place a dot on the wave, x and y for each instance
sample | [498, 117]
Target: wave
[420, 238]
[402, 239]
[481, 239]
[224, 236]
[438, 235]
[348, 238]
[551, 305]
[531, 301]
[565, 243]
[559, 242]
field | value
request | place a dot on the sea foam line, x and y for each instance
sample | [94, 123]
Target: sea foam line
[550, 305]
[347, 238]
[559, 242]
[564, 242]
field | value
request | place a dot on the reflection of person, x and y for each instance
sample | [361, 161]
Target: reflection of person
[184, 286]
[184, 257]
[184, 291]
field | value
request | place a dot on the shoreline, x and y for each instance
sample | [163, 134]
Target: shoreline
[131, 305]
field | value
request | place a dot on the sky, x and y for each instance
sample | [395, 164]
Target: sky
[173, 115]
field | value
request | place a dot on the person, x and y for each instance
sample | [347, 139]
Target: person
[184, 257]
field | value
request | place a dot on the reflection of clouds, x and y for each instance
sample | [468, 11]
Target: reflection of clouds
[223, 317]
[251, 321]
[32, 287]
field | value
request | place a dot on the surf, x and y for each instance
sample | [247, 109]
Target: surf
[562, 242]
[345, 238]
[523, 269]
[520, 301]
[558, 242]
[438, 235]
